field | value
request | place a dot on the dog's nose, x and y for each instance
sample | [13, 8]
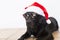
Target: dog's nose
[24, 15]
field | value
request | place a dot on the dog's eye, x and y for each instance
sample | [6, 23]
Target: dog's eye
[27, 15]
[34, 15]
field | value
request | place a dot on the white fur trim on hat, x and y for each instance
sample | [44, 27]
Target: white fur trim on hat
[35, 9]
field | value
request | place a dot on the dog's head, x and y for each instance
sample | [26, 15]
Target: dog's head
[34, 19]
[30, 16]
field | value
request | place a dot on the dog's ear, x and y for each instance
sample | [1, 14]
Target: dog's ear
[42, 20]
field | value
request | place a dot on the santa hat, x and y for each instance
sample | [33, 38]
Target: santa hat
[40, 10]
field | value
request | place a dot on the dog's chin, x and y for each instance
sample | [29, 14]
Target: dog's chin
[31, 24]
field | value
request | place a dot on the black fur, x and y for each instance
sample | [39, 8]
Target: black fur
[53, 26]
[37, 26]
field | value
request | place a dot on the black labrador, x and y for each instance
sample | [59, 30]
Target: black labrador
[37, 26]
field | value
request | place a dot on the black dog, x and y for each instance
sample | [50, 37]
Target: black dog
[37, 26]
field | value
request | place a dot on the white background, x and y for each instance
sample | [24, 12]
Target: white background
[11, 11]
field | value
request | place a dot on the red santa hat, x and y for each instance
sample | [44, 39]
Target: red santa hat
[34, 7]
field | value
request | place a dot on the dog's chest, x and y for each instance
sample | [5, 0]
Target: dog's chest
[34, 30]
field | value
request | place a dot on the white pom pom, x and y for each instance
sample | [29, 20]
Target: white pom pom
[48, 21]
